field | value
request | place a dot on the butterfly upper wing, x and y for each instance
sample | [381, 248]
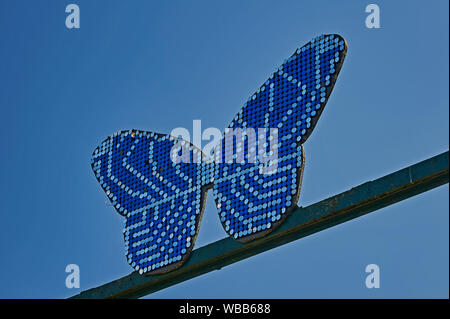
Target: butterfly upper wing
[251, 203]
[162, 201]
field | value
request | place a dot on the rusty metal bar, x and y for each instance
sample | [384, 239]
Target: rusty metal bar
[302, 222]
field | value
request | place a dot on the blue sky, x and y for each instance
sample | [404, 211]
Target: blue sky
[157, 65]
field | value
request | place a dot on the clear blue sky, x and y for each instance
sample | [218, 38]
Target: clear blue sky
[157, 65]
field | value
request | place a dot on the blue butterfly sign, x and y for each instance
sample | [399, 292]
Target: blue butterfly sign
[159, 182]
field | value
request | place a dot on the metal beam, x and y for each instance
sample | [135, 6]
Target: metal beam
[302, 222]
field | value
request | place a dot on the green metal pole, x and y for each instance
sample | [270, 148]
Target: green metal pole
[302, 222]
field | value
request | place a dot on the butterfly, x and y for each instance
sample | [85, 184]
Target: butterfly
[163, 199]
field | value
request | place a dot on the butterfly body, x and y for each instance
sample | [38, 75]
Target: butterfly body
[163, 200]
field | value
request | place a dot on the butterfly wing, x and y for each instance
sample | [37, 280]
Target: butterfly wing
[162, 200]
[250, 201]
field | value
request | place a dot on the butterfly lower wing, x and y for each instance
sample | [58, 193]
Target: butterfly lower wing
[250, 202]
[162, 200]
